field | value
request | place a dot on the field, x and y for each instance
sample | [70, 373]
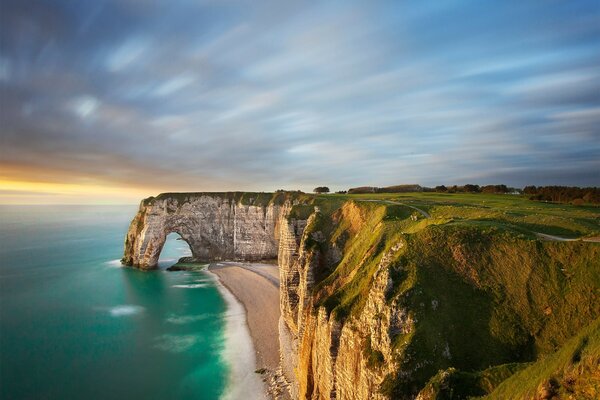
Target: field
[502, 210]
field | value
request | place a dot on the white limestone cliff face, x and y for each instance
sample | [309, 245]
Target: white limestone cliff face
[215, 225]
[321, 357]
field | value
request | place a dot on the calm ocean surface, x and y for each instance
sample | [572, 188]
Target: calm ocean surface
[74, 325]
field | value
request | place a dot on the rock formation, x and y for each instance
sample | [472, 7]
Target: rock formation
[216, 226]
[376, 305]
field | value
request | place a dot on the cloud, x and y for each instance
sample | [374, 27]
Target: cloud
[216, 96]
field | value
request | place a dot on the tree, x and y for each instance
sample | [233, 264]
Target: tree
[471, 188]
[321, 189]
[495, 189]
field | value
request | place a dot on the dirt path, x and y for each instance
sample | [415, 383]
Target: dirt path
[553, 238]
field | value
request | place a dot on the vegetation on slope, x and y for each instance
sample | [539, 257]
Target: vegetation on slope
[262, 199]
[558, 194]
[362, 232]
[455, 384]
[515, 212]
[564, 194]
[499, 298]
[486, 294]
[571, 372]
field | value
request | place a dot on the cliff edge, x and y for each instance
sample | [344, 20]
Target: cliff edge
[424, 298]
[216, 226]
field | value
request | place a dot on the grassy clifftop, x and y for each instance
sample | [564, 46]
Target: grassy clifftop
[262, 199]
[488, 295]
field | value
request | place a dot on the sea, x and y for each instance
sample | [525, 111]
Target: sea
[75, 324]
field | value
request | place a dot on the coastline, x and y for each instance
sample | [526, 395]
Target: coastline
[243, 382]
[256, 287]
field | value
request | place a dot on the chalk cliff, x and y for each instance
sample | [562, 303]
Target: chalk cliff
[378, 304]
[217, 226]
[323, 357]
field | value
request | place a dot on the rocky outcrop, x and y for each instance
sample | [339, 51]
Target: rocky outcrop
[321, 356]
[216, 226]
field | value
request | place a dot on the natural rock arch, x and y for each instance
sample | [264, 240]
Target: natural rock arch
[216, 226]
[174, 239]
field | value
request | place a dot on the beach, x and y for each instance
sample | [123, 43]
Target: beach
[256, 287]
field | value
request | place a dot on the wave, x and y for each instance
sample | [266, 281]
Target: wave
[114, 263]
[125, 310]
[187, 319]
[191, 286]
[176, 343]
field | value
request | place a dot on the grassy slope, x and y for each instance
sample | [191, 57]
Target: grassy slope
[500, 295]
[574, 371]
[513, 211]
[363, 232]
[501, 298]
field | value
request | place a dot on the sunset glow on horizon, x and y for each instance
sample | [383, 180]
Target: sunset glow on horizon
[22, 192]
[114, 101]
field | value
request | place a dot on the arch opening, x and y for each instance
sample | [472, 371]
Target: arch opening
[174, 248]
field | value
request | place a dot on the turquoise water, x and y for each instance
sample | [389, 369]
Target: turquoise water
[75, 325]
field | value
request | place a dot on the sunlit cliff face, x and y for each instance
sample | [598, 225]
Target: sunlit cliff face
[110, 99]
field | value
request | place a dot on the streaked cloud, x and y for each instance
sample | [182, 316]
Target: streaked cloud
[229, 95]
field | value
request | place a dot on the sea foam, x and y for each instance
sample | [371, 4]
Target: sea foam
[176, 343]
[125, 310]
[187, 319]
[191, 286]
[114, 263]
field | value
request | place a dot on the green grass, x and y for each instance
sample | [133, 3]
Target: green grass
[456, 384]
[503, 298]
[574, 370]
[510, 210]
[374, 358]
[364, 232]
[262, 199]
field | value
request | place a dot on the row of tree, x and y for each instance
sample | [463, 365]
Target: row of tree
[469, 188]
[558, 194]
[564, 194]
[387, 189]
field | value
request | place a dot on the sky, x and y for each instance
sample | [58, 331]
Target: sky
[113, 101]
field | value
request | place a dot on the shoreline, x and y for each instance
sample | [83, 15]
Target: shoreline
[255, 286]
[242, 381]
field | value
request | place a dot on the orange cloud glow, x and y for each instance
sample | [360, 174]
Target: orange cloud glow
[30, 192]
